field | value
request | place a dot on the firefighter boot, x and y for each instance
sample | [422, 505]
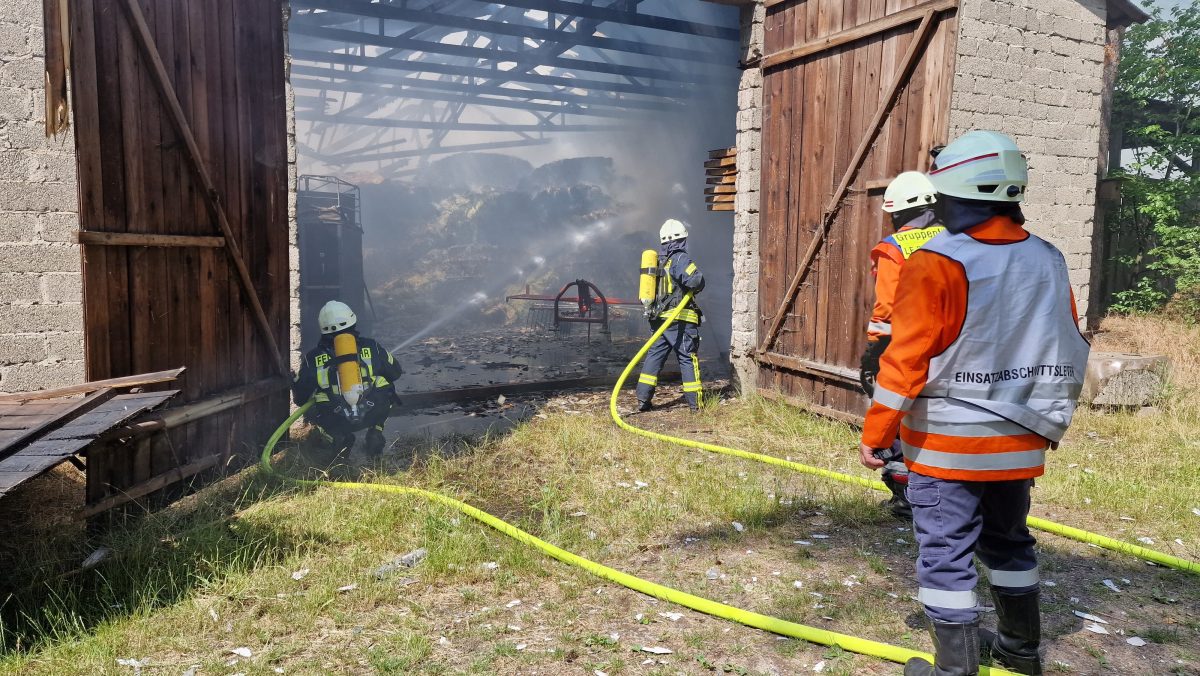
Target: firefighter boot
[1019, 632]
[373, 443]
[898, 503]
[956, 651]
[644, 406]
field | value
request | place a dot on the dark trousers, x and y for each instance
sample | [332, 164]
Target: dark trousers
[954, 521]
[337, 425]
[682, 339]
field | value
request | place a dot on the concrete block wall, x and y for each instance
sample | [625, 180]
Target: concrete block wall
[293, 184]
[1033, 69]
[746, 201]
[41, 289]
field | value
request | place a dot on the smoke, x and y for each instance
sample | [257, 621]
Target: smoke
[447, 240]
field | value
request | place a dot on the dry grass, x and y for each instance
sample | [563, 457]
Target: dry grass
[215, 573]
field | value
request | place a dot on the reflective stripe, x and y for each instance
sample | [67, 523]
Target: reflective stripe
[974, 461]
[647, 379]
[1014, 578]
[891, 399]
[954, 600]
[999, 428]
[320, 397]
[880, 328]
[692, 387]
[1019, 394]
[686, 315]
[909, 241]
[691, 268]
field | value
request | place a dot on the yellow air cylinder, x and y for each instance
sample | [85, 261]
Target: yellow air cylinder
[349, 378]
[648, 283]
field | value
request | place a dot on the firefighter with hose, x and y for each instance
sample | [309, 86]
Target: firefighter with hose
[980, 380]
[909, 202]
[666, 276]
[350, 378]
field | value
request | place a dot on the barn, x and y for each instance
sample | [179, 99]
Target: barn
[837, 97]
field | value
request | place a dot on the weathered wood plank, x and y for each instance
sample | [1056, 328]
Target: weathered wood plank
[79, 407]
[146, 239]
[855, 33]
[112, 383]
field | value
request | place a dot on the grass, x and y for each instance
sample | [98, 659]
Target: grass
[215, 572]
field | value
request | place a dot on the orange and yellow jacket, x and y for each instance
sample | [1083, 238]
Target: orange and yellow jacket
[986, 360]
[886, 260]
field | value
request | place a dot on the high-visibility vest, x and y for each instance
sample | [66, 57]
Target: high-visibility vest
[668, 295]
[328, 386]
[1011, 379]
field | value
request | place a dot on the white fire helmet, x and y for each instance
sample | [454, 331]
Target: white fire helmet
[908, 190]
[981, 165]
[672, 230]
[336, 316]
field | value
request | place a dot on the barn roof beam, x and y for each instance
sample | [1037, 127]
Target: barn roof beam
[626, 17]
[346, 78]
[490, 54]
[434, 95]
[485, 26]
[455, 125]
[469, 71]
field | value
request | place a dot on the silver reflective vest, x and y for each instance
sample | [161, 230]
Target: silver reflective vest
[1018, 363]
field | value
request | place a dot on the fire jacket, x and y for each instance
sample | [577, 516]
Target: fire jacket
[318, 373]
[886, 260]
[680, 274]
[986, 360]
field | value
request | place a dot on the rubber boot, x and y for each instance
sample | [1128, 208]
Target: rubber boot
[644, 406]
[898, 503]
[956, 650]
[1019, 632]
[374, 442]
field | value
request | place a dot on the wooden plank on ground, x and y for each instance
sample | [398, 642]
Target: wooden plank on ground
[153, 484]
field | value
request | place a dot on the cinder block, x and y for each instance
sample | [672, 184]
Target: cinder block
[37, 196]
[14, 40]
[53, 166]
[22, 73]
[15, 103]
[21, 349]
[21, 11]
[59, 227]
[39, 258]
[39, 318]
[19, 288]
[65, 287]
[19, 227]
[64, 346]
[28, 377]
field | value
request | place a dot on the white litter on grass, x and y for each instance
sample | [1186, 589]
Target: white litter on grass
[513, 603]
[640, 484]
[657, 650]
[901, 541]
[213, 614]
[1096, 629]
[348, 588]
[817, 594]
[1126, 518]
[597, 672]
[489, 565]
[712, 574]
[1196, 511]
[1126, 580]
[820, 536]
[242, 652]
[521, 646]
[1145, 540]
[1088, 616]
[1050, 583]
[513, 627]
[624, 484]
[797, 584]
[135, 664]
[191, 671]
[1111, 585]
[674, 617]
[443, 641]
[802, 543]
[578, 514]
[895, 596]
[639, 617]
[1136, 641]
[819, 666]
[738, 527]
[300, 574]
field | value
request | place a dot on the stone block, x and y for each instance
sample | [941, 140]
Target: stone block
[28, 377]
[18, 227]
[15, 103]
[14, 40]
[64, 287]
[41, 318]
[21, 349]
[39, 258]
[20, 288]
[1123, 379]
[21, 11]
[64, 346]
[59, 227]
[37, 196]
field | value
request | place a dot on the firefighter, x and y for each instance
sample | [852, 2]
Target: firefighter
[909, 201]
[335, 413]
[678, 274]
[980, 380]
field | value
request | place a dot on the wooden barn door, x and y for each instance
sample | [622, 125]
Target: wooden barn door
[855, 91]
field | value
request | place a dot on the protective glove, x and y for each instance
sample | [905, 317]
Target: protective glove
[869, 365]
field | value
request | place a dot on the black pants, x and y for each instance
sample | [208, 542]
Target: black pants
[335, 424]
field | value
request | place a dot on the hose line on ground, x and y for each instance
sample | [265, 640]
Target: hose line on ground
[774, 625]
[1033, 521]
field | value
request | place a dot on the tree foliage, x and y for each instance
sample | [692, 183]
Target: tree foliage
[1157, 104]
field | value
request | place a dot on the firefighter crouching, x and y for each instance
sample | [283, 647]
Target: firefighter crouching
[351, 378]
[980, 380]
[677, 274]
[909, 201]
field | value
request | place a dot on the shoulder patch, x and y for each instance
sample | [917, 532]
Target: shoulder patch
[910, 241]
[691, 269]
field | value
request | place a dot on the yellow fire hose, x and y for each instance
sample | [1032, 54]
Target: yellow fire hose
[1033, 521]
[774, 625]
